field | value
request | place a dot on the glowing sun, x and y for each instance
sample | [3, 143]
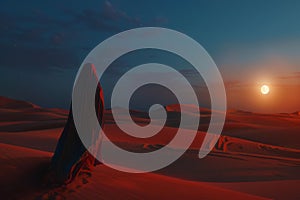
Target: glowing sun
[265, 89]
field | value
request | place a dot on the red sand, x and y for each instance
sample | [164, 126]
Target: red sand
[18, 176]
[258, 157]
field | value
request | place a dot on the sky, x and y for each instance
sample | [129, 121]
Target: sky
[253, 42]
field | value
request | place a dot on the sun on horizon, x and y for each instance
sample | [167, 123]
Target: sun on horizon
[265, 89]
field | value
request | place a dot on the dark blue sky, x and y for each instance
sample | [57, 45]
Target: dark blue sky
[43, 43]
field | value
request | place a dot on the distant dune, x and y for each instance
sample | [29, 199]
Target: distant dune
[20, 115]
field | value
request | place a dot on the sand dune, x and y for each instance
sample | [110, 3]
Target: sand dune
[44, 140]
[23, 116]
[255, 151]
[118, 185]
[286, 189]
[21, 173]
[21, 170]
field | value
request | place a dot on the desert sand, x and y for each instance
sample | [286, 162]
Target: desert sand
[257, 157]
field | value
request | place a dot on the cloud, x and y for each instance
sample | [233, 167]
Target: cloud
[38, 38]
[295, 75]
[95, 21]
[40, 17]
[113, 13]
[33, 29]
[110, 18]
[159, 21]
[232, 84]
